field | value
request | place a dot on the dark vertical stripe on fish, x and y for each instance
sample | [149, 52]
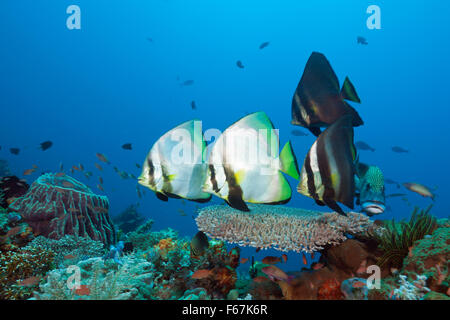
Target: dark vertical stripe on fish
[213, 178]
[235, 194]
[310, 178]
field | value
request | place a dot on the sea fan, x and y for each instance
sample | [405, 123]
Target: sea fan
[397, 238]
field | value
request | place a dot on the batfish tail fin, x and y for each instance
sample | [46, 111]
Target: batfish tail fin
[288, 161]
[348, 91]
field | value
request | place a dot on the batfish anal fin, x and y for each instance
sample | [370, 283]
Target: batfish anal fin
[237, 203]
[315, 131]
[334, 206]
[162, 196]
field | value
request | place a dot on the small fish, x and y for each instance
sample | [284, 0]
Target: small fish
[28, 172]
[187, 83]
[127, 146]
[81, 167]
[88, 174]
[358, 284]
[304, 260]
[361, 40]
[312, 255]
[239, 64]
[83, 290]
[116, 169]
[271, 260]
[76, 168]
[99, 186]
[46, 145]
[193, 105]
[275, 273]
[298, 133]
[14, 151]
[390, 181]
[182, 213]
[263, 45]
[361, 145]
[99, 167]
[420, 189]
[69, 257]
[199, 244]
[100, 179]
[393, 195]
[201, 274]
[138, 165]
[244, 260]
[257, 249]
[149, 39]
[138, 193]
[399, 149]
[260, 279]
[284, 257]
[102, 158]
[317, 266]
[61, 166]
[30, 282]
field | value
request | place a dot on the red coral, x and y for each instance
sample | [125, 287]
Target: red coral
[330, 290]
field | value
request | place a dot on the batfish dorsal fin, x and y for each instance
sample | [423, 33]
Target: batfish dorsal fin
[348, 91]
[288, 161]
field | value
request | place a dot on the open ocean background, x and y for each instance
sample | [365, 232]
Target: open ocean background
[94, 89]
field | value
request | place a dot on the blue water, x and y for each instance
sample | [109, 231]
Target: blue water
[94, 89]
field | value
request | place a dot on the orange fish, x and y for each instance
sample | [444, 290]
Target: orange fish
[100, 187]
[60, 174]
[102, 158]
[244, 260]
[201, 274]
[28, 172]
[284, 257]
[260, 279]
[99, 167]
[271, 260]
[30, 282]
[34, 166]
[317, 266]
[305, 261]
[358, 284]
[81, 167]
[312, 255]
[275, 273]
[83, 290]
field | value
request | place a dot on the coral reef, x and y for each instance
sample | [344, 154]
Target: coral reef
[397, 238]
[57, 205]
[411, 290]
[129, 220]
[11, 187]
[99, 280]
[279, 227]
[21, 270]
[355, 289]
[70, 249]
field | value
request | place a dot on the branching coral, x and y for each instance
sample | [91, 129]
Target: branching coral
[70, 249]
[21, 270]
[397, 238]
[411, 290]
[101, 280]
[279, 227]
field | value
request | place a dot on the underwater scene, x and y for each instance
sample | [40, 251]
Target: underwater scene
[224, 150]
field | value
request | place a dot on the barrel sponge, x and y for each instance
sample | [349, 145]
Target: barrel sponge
[57, 205]
[279, 227]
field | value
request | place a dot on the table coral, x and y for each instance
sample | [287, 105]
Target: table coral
[57, 204]
[279, 227]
